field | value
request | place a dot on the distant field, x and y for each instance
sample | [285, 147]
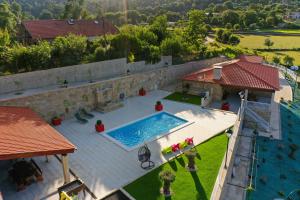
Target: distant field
[295, 54]
[289, 31]
[257, 41]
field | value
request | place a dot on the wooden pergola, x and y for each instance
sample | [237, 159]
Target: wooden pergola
[24, 134]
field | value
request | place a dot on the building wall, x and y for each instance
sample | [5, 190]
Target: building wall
[196, 88]
[67, 101]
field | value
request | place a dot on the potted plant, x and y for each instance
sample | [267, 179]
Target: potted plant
[142, 92]
[167, 177]
[56, 121]
[99, 126]
[158, 106]
[191, 154]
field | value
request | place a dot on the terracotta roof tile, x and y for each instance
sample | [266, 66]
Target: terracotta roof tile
[49, 29]
[24, 134]
[241, 74]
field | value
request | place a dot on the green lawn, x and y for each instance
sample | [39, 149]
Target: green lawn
[287, 31]
[295, 54]
[257, 41]
[177, 96]
[187, 185]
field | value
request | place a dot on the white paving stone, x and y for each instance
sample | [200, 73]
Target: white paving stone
[104, 166]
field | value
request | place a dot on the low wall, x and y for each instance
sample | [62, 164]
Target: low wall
[77, 73]
[66, 101]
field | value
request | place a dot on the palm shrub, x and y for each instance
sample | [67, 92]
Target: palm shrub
[167, 177]
[191, 154]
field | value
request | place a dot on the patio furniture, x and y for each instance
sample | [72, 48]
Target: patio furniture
[71, 189]
[86, 113]
[81, 119]
[144, 155]
[22, 173]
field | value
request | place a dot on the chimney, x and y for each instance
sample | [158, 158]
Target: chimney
[217, 72]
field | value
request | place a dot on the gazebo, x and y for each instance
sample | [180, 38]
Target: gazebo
[24, 134]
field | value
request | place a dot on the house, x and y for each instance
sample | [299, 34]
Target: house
[294, 15]
[232, 77]
[34, 30]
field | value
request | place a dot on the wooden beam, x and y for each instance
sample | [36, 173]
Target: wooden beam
[65, 165]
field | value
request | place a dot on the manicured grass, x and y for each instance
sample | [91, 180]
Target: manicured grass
[187, 185]
[295, 54]
[177, 96]
[280, 42]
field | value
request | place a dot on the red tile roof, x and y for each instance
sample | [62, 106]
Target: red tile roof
[49, 29]
[240, 74]
[24, 134]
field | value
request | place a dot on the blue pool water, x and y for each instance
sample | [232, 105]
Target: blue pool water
[146, 129]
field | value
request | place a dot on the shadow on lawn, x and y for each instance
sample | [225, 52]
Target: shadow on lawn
[173, 165]
[181, 161]
[201, 193]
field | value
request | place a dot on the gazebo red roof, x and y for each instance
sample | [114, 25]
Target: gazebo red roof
[25, 134]
[240, 74]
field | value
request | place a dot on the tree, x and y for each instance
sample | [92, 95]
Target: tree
[230, 16]
[236, 27]
[46, 14]
[4, 38]
[276, 60]
[172, 47]
[195, 31]
[249, 17]
[159, 27]
[191, 154]
[73, 9]
[228, 26]
[288, 60]
[228, 4]
[268, 43]
[167, 177]
[68, 50]
[7, 18]
[234, 39]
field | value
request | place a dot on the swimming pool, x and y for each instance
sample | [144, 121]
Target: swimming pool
[134, 134]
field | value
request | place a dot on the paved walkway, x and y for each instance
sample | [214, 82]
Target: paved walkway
[286, 93]
[104, 166]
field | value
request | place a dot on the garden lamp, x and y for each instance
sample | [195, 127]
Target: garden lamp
[229, 133]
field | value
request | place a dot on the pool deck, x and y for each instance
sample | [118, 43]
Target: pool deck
[104, 166]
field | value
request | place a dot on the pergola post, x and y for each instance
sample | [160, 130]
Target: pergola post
[65, 165]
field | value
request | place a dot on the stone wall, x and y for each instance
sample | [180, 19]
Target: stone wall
[215, 90]
[74, 74]
[66, 101]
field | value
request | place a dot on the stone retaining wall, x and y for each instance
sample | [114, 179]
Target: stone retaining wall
[77, 73]
[66, 101]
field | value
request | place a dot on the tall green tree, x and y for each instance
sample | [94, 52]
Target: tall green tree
[230, 16]
[159, 27]
[195, 30]
[4, 38]
[268, 42]
[288, 60]
[73, 9]
[7, 18]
